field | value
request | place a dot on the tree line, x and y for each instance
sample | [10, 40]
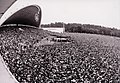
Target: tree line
[85, 28]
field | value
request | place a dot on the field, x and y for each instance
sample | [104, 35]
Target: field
[88, 58]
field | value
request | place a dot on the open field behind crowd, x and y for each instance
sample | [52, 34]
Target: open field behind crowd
[87, 58]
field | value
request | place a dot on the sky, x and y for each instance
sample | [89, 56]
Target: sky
[99, 12]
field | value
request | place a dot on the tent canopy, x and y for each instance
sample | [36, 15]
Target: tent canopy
[4, 5]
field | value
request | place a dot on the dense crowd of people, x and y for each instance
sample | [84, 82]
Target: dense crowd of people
[80, 61]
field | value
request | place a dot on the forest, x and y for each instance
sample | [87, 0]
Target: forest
[85, 28]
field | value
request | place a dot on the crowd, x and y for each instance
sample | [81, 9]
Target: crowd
[83, 62]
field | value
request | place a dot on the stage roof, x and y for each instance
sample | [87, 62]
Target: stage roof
[4, 5]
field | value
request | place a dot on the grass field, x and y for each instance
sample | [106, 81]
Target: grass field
[88, 58]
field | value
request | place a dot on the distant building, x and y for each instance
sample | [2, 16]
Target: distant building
[55, 29]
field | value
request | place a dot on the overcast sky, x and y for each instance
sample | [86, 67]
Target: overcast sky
[98, 12]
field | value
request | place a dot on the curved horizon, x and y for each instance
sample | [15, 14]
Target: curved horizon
[98, 12]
